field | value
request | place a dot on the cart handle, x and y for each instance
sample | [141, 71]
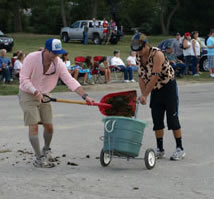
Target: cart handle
[112, 126]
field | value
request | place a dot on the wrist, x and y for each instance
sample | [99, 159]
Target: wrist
[84, 96]
[36, 93]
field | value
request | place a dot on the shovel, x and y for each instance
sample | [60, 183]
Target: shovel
[110, 104]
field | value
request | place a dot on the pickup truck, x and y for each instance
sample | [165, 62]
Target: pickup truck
[75, 31]
[95, 32]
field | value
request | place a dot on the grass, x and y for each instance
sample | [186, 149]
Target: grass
[32, 42]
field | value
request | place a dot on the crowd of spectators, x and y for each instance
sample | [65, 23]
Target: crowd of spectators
[10, 68]
[184, 53]
[105, 66]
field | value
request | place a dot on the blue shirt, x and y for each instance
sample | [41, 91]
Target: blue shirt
[5, 60]
[210, 42]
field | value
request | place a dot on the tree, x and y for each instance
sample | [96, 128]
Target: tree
[17, 20]
[64, 21]
[94, 8]
[167, 9]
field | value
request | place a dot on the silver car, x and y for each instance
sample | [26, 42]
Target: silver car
[75, 31]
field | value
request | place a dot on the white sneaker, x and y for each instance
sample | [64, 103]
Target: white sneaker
[132, 80]
[42, 162]
[196, 75]
[212, 75]
[126, 81]
[48, 154]
[178, 154]
[159, 154]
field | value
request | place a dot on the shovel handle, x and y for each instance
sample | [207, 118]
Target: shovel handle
[47, 99]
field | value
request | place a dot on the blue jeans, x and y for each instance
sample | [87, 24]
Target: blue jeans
[194, 65]
[85, 38]
[179, 68]
[6, 74]
[128, 73]
[188, 62]
[134, 68]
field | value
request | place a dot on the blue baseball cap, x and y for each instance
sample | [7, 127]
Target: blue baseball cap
[55, 46]
[138, 42]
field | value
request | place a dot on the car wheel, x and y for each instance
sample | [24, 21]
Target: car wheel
[96, 39]
[65, 37]
[204, 64]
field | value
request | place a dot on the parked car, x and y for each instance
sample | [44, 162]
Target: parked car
[6, 42]
[75, 32]
[203, 62]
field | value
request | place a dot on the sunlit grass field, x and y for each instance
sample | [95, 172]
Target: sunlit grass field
[32, 42]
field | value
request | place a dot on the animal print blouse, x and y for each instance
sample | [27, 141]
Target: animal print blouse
[145, 72]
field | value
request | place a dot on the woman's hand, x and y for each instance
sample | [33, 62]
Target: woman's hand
[143, 99]
[89, 100]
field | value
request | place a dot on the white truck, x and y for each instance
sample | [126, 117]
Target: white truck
[95, 32]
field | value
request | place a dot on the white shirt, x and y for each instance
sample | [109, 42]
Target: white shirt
[67, 63]
[197, 48]
[132, 60]
[116, 61]
[17, 65]
[188, 51]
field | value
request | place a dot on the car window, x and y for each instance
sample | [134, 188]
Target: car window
[1, 33]
[90, 25]
[82, 23]
[75, 25]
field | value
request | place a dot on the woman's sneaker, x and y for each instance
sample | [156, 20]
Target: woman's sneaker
[178, 154]
[159, 154]
[42, 162]
[47, 153]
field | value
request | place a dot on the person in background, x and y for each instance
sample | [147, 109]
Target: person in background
[95, 23]
[105, 30]
[156, 77]
[5, 66]
[177, 50]
[14, 58]
[177, 65]
[39, 75]
[87, 67]
[104, 67]
[112, 28]
[196, 51]
[18, 63]
[85, 34]
[210, 52]
[131, 61]
[187, 51]
[66, 60]
[118, 62]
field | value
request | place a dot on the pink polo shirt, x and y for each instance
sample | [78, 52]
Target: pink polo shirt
[32, 77]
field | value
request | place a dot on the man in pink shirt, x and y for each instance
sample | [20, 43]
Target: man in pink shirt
[39, 75]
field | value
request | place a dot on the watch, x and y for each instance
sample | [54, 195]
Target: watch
[84, 96]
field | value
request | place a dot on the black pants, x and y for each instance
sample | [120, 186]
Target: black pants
[165, 100]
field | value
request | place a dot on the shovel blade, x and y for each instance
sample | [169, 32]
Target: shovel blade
[123, 103]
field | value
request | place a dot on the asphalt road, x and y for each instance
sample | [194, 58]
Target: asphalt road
[77, 132]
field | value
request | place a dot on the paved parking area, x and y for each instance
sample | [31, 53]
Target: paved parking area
[76, 140]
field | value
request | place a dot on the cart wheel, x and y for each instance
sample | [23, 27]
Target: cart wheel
[150, 159]
[105, 158]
